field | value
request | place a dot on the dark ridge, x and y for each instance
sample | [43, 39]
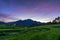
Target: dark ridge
[2, 22]
[27, 22]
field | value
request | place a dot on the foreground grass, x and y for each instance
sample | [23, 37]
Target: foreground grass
[44, 32]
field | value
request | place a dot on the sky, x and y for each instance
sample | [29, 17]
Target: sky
[38, 10]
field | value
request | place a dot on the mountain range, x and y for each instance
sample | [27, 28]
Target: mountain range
[29, 22]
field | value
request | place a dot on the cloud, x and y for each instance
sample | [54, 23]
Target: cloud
[4, 15]
[7, 17]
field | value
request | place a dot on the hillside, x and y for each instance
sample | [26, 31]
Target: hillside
[44, 32]
[27, 22]
[30, 30]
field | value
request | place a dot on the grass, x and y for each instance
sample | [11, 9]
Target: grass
[44, 32]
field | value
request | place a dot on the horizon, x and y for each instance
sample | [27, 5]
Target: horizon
[31, 20]
[38, 10]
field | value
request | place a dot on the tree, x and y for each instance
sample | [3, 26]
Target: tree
[56, 20]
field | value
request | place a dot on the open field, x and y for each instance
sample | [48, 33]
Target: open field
[44, 32]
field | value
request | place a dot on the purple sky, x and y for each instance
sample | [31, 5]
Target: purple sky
[39, 10]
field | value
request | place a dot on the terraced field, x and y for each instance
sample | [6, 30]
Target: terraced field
[44, 32]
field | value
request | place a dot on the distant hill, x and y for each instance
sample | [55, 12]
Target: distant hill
[30, 22]
[2, 22]
[27, 22]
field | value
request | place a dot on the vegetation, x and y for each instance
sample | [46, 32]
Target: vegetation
[43, 32]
